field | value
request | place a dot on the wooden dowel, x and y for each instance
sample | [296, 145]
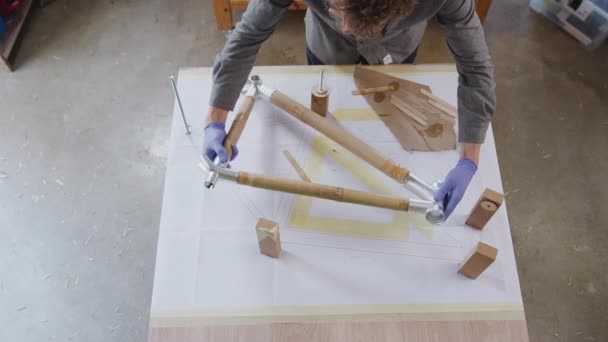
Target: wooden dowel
[319, 101]
[234, 134]
[442, 108]
[296, 166]
[391, 87]
[322, 191]
[408, 110]
[440, 103]
[338, 134]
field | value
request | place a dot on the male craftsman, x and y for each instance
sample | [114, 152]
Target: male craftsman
[368, 32]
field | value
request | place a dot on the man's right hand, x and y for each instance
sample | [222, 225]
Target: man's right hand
[215, 133]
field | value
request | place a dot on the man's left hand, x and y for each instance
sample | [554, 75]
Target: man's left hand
[453, 188]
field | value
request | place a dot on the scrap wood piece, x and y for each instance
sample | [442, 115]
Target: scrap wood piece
[269, 237]
[443, 108]
[478, 260]
[448, 106]
[411, 112]
[487, 204]
[296, 166]
[390, 87]
[437, 135]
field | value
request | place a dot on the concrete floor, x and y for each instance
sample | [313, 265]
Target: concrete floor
[84, 124]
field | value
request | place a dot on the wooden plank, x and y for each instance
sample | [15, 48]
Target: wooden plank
[241, 5]
[419, 331]
[223, 14]
[7, 43]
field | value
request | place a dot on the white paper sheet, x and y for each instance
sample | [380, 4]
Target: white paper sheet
[208, 257]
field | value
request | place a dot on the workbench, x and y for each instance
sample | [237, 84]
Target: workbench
[347, 272]
[223, 10]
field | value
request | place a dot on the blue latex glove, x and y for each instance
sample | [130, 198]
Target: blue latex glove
[215, 133]
[451, 191]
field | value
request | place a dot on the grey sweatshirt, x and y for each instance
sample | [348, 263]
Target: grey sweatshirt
[463, 32]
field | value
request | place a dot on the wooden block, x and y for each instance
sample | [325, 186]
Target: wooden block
[319, 100]
[269, 238]
[484, 209]
[480, 258]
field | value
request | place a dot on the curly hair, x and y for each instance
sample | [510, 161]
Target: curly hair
[366, 17]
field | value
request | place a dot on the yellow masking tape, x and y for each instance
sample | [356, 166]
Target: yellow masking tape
[300, 217]
[355, 114]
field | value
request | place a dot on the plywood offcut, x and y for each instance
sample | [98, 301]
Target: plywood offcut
[438, 134]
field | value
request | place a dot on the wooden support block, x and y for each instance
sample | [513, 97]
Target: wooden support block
[478, 260]
[484, 209]
[269, 238]
[319, 100]
[391, 87]
[408, 110]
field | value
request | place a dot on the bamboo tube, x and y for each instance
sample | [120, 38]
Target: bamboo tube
[233, 136]
[322, 191]
[340, 136]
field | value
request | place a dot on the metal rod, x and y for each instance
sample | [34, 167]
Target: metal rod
[264, 90]
[179, 103]
[321, 81]
[418, 181]
[208, 166]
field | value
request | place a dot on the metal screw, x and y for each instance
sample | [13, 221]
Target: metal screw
[321, 82]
